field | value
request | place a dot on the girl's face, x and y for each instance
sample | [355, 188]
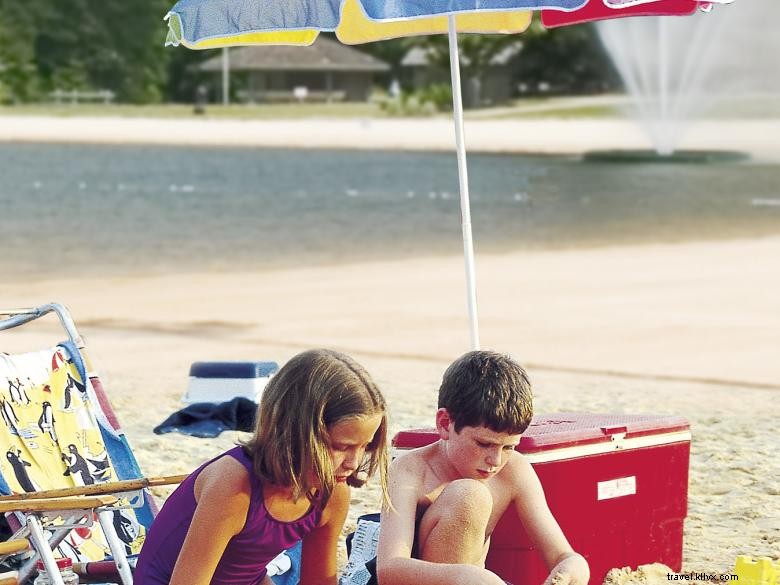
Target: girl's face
[349, 439]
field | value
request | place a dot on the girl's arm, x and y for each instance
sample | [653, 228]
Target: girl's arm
[318, 558]
[222, 491]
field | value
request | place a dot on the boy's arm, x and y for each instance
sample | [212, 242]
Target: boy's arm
[395, 565]
[565, 565]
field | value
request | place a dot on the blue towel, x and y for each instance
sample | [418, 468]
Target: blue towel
[293, 576]
[207, 419]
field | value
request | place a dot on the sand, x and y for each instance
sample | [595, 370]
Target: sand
[534, 136]
[687, 329]
[691, 329]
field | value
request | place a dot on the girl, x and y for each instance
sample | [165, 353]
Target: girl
[321, 427]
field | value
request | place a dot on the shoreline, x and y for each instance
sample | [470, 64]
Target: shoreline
[548, 136]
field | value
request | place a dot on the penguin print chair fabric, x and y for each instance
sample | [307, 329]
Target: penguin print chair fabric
[59, 437]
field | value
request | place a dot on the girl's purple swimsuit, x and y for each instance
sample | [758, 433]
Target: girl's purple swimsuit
[247, 553]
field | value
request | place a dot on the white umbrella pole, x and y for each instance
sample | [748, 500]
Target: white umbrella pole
[225, 76]
[463, 178]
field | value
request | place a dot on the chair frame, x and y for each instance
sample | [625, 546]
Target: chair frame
[79, 502]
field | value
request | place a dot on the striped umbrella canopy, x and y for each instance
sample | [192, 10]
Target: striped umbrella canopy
[207, 24]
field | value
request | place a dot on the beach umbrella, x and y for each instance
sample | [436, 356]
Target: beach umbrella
[206, 24]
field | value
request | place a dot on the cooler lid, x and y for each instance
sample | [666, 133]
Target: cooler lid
[413, 438]
[233, 369]
[569, 429]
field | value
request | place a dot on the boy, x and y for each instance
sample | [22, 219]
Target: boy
[446, 498]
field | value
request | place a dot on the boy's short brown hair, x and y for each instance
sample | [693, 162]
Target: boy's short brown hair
[487, 388]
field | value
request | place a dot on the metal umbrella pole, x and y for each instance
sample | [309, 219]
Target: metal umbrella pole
[463, 179]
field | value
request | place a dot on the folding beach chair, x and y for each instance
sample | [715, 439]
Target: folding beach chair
[66, 462]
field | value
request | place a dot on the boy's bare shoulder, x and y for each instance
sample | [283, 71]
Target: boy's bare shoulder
[518, 473]
[412, 466]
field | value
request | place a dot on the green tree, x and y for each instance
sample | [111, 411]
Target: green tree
[183, 75]
[136, 63]
[568, 60]
[84, 44]
[18, 30]
[104, 45]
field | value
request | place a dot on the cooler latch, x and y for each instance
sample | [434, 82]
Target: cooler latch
[617, 434]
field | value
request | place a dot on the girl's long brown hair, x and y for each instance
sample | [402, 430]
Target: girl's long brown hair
[313, 391]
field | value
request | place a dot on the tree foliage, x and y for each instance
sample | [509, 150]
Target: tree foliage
[81, 45]
[566, 60]
[18, 26]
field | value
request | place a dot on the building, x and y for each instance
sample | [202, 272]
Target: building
[494, 86]
[325, 71]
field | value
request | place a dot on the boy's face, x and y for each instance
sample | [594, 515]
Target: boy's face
[475, 452]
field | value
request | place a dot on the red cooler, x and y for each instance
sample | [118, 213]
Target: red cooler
[616, 483]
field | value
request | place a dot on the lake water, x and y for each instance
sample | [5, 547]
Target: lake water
[65, 209]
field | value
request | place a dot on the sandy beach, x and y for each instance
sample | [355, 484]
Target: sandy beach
[690, 329]
[551, 136]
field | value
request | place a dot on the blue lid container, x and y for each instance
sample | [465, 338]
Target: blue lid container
[233, 369]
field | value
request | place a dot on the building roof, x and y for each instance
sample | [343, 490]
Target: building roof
[421, 57]
[324, 55]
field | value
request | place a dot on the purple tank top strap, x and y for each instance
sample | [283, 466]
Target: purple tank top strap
[255, 482]
[239, 455]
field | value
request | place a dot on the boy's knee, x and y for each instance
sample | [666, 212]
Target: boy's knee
[467, 500]
[453, 528]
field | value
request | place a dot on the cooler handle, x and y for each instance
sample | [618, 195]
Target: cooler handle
[614, 430]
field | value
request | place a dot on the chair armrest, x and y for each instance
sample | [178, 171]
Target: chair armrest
[48, 504]
[10, 547]
[126, 485]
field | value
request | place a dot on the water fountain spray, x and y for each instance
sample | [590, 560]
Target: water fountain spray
[677, 69]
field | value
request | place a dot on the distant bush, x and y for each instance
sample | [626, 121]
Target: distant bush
[439, 94]
[426, 101]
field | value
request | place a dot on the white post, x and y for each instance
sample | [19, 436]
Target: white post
[463, 179]
[117, 547]
[41, 545]
[225, 76]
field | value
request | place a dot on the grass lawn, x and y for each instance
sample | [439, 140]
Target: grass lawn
[614, 106]
[260, 112]
[525, 108]
[521, 113]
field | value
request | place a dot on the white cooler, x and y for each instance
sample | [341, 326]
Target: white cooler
[223, 381]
